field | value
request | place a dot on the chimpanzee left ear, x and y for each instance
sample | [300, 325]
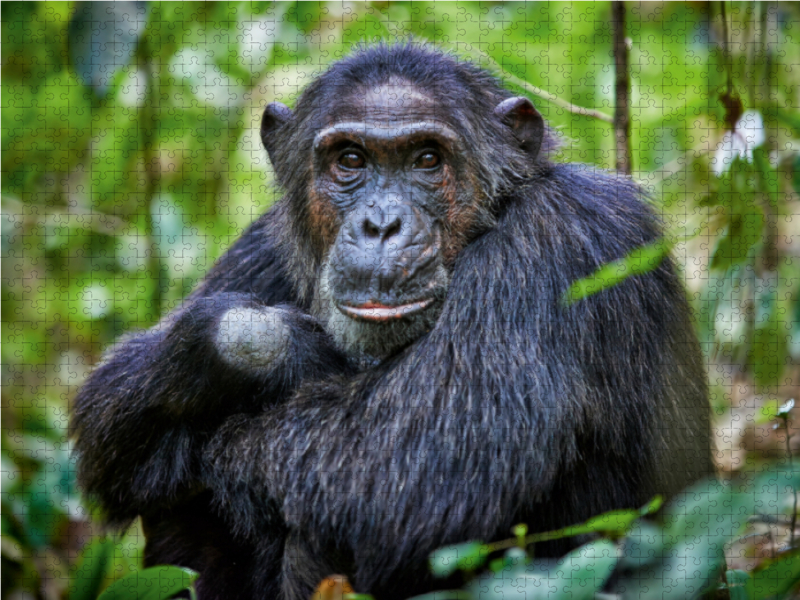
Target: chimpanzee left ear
[275, 115]
[526, 122]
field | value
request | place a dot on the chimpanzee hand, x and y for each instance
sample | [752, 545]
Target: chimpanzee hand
[255, 340]
[276, 343]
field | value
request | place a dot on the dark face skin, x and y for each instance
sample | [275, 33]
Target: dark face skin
[390, 204]
[388, 173]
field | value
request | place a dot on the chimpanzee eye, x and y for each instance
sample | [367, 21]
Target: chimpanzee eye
[427, 160]
[352, 160]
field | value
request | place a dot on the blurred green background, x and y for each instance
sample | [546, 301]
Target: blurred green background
[131, 160]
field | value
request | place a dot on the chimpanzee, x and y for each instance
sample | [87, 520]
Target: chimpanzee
[384, 364]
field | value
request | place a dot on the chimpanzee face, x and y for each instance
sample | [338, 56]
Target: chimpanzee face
[386, 170]
[392, 196]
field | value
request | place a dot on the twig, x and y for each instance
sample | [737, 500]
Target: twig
[536, 91]
[622, 90]
[726, 51]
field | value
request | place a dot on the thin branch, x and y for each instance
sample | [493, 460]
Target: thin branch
[726, 51]
[622, 90]
[550, 97]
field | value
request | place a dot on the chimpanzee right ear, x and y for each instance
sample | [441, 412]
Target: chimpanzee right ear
[526, 122]
[275, 115]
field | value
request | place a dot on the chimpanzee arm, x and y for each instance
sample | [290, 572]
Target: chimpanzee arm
[141, 418]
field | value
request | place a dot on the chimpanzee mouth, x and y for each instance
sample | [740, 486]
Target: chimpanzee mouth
[377, 312]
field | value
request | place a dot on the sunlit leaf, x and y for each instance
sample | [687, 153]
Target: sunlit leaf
[652, 506]
[88, 576]
[638, 262]
[155, 583]
[767, 412]
[617, 522]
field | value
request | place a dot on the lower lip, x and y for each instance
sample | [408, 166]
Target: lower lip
[379, 312]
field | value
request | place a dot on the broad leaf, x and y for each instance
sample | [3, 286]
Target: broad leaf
[468, 556]
[91, 570]
[778, 578]
[155, 583]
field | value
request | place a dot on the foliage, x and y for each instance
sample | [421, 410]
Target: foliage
[155, 583]
[131, 160]
[679, 555]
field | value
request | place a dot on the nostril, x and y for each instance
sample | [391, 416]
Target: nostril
[371, 230]
[393, 229]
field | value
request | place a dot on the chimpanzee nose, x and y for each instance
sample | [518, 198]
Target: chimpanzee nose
[381, 225]
[387, 244]
[385, 225]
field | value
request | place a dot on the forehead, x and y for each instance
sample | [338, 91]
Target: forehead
[391, 102]
[393, 113]
[396, 98]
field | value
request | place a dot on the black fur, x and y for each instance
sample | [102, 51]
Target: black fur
[142, 419]
[512, 408]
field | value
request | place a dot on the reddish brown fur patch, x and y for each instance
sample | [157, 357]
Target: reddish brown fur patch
[461, 216]
[323, 221]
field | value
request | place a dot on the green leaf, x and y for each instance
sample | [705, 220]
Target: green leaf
[614, 522]
[737, 580]
[777, 579]
[708, 508]
[155, 583]
[773, 489]
[88, 577]
[114, 157]
[768, 350]
[652, 506]
[638, 262]
[644, 545]
[768, 177]
[466, 557]
[519, 585]
[739, 237]
[767, 412]
[684, 571]
[585, 570]
[698, 523]
[788, 117]
[514, 558]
